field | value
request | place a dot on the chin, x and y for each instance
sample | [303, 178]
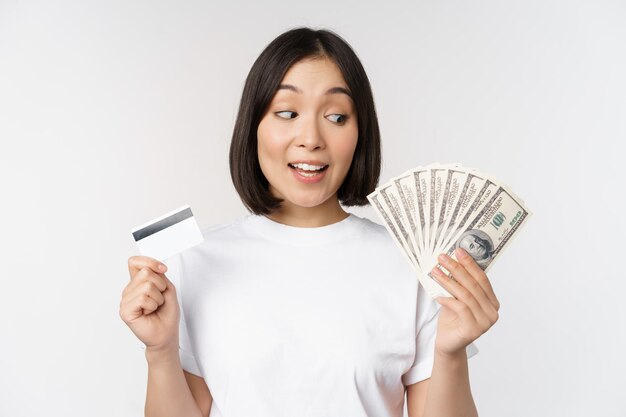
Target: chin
[302, 198]
[307, 202]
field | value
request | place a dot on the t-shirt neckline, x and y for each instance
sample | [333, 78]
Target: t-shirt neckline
[304, 236]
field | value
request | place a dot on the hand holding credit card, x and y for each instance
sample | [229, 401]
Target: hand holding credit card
[168, 234]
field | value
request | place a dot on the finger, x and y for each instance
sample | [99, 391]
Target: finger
[483, 319]
[135, 307]
[145, 303]
[460, 308]
[144, 275]
[470, 328]
[479, 275]
[463, 277]
[135, 263]
[169, 285]
[148, 288]
[457, 289]
[152, 291]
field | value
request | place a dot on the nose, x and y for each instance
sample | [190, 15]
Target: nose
[310, 134]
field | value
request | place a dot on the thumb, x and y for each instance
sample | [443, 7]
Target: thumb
[170, 291]
[445, 301]
[441, 300]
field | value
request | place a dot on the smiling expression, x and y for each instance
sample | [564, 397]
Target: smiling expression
[310, 118]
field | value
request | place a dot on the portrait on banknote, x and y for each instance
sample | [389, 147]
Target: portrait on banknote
[478, 245]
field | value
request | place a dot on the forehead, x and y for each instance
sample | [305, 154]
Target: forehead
[311, 72]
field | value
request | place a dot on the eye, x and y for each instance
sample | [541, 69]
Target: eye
[338, 118]
[285, 114]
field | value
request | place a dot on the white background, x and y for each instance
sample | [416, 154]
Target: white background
[115, 112]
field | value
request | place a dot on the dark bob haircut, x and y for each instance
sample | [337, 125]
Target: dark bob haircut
[261, 85]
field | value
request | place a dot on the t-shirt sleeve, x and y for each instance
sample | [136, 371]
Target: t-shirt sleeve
[187, 359]
[426, 332]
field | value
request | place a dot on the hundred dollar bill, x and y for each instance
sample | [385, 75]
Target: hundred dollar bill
[455, 181]
[475, 194]
[439, 207]
[409, 191]
[491, 230]
[401, 191]
[431, 286]
[423, 184]
[392, 204]
[443, 175]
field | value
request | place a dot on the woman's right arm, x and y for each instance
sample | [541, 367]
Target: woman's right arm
[172, 391]
[150, 308]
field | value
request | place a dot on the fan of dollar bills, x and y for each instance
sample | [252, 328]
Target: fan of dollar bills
[440, 207]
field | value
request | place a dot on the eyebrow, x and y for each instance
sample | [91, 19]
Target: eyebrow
[332, 90]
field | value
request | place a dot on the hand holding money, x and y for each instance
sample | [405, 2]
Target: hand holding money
[439, 208]
[451, 223]
[473, 309]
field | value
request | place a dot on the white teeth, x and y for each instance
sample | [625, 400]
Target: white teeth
[306, 174]
[308, 167]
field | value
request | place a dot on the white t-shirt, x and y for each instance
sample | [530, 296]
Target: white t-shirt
[292, 321]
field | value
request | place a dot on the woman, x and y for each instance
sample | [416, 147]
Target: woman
[300, 308]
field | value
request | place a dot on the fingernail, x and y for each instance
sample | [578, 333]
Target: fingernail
[437, 272]
[460, 253]
[162, 267]
[444, 258]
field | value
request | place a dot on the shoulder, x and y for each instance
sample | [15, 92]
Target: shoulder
[220, 231]
[220, 242]
[373, 231]
[371, 227]
[378, 237]
[380, 241]
[217, 239]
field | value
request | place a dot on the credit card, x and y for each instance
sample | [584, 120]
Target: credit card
[168, 234]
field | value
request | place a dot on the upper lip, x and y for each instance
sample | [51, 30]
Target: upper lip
[308, 161]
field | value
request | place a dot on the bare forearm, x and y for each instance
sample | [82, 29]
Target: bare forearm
[168, 393]
[449, 393]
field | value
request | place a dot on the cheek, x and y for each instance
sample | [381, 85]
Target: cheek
[346, 146]
[270, 144]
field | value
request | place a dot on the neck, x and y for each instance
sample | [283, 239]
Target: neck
[328, 212]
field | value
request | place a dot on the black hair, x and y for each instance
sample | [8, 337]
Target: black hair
[261, 85]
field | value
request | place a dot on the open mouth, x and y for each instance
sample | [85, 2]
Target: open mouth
[309, 170]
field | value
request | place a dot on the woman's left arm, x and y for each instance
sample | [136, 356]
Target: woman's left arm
[471, 311]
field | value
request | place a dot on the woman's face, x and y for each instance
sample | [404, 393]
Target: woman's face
[311, 119]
